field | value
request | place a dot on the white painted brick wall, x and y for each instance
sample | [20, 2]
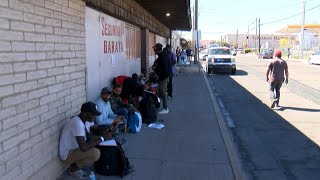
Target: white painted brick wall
[10, 35]
[23, 87]
[5, 46]
[23, 107]
[4, 3]
[6, 68]
[42, 82]
[13, 100]
[25, 66]
[10, 13]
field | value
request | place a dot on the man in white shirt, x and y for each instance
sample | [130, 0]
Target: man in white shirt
[74, 148]
[107, 115]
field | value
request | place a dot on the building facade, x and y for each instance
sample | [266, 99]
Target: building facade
[267, 41]
[54, 56]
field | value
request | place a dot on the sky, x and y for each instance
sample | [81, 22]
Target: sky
[222, 17]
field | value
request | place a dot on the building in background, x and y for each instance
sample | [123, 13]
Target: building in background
[267, 41]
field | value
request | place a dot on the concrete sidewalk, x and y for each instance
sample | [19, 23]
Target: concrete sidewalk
[190, 146]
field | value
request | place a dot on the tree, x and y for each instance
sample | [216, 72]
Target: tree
[284, 43]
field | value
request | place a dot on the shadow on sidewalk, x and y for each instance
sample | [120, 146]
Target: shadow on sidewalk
[269, 146]
[283, 108]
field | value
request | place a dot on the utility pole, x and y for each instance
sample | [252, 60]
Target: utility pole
[259, 46]
[255, 40]
[248, 36]
[302, 27]
[237, 40]
[196, 49]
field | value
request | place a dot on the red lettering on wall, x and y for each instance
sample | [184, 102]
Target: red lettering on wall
[112, 47]
[105, 45]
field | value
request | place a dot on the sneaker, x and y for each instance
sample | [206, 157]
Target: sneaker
[164, 111]
[273, 104]
[80, 174]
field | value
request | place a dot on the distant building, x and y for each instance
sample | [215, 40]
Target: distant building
[267, 41]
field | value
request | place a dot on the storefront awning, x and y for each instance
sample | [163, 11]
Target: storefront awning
[180, 16]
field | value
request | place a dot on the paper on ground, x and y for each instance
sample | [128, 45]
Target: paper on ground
[111, 142]
[156, 126]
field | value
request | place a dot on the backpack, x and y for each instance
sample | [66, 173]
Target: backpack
[134, 122]
[112, 161]
[119, 80]
[148, 110]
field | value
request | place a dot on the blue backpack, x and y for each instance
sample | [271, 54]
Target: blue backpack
[134, 122]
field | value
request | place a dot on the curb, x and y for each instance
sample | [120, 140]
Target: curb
[234, 156]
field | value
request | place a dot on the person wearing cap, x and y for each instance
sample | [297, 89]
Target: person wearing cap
[161, 68]
[277, 73]
[75, 149]
[107, 117]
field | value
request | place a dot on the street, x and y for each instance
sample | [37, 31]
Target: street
[272, 143]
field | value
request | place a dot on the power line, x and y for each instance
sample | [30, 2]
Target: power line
[290, 16]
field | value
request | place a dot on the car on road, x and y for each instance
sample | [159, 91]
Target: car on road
[220, 58]
[315, 58]
[266, 54]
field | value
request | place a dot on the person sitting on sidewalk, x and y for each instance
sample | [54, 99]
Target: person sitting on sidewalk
[129, 89]
[107, 117]
[117, 105]
[74, 149]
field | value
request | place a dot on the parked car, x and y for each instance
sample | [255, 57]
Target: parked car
[315, 58]
[266, 54]
[220, 58]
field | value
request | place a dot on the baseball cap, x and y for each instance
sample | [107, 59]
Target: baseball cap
[278, 54]
[90, 107]
[157, 46]
[106, 90]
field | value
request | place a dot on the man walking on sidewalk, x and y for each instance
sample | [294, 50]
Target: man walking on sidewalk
[275, 77]
[161, 68]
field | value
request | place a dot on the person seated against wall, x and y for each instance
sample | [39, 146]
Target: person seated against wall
[75, 149]
[117, 105]
[108, 117]
[131, 89]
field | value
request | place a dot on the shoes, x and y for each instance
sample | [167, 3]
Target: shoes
[80, 174]
[164, 111]
[273, 104]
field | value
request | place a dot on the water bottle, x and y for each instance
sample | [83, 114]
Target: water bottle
[92, 176]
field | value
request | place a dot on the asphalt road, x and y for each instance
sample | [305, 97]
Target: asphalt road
[273, 144]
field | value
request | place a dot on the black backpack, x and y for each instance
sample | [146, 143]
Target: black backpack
[112, 161]
[148, 110]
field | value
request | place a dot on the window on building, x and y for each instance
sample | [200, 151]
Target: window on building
[133, 42]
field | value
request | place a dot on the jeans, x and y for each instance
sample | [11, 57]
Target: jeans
[274, 90]
[122, 111]
[163, 86]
